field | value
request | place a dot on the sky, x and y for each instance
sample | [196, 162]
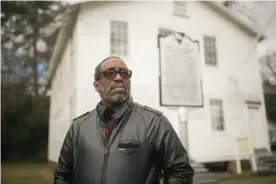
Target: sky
[263, 14]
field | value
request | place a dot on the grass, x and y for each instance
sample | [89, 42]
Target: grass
[252, 180]
[26, 173]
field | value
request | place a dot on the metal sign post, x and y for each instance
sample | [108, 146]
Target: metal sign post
[180, 76]
[183, 124]
[180, 84]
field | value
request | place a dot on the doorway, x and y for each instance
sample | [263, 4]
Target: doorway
[256, 127]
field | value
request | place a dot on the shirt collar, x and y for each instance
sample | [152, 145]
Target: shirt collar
[117, 112]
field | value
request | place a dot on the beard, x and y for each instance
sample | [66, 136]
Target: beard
[116, 96]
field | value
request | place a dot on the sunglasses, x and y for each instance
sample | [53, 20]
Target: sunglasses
[111, 74]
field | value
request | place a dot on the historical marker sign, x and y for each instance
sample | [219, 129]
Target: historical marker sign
[180, 77]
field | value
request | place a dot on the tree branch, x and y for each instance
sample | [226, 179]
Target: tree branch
[270, 67]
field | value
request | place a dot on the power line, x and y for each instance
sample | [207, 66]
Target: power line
[231, 77]
[255, 44]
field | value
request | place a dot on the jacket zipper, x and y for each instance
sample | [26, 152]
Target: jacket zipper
[107, 146]
[106, 153]
[104, 169]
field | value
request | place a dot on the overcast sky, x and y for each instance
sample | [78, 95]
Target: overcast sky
[264, 12]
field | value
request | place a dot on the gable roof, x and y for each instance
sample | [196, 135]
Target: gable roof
[72, 14]
[233, 17]
[65, 31]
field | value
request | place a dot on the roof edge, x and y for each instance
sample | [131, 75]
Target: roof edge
[65, 31]
[231, 15]
[72, 13]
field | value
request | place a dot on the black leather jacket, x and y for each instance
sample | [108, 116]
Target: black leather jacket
[143, 143]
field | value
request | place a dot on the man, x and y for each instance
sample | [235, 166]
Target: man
[120, 141]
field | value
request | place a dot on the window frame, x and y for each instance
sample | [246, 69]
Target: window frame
[210, 50]
[217, 117]
[176, 8]
[119, 38]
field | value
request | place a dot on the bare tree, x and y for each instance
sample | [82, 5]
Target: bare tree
[28, 29]
[248, 11]
[268, 67]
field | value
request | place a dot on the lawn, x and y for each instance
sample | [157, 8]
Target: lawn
[253, 180]
[26, 174]
[43, 174]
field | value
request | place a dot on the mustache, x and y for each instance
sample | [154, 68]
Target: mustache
[121, 85]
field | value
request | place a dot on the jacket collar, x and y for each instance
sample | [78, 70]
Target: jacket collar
[118, 112]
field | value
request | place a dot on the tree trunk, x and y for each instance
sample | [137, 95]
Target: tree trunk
[35, 63]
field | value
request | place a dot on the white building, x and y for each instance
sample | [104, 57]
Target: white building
[231, 82]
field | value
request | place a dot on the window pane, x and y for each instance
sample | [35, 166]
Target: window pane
[119, 37]
[212, 59]
[220, 127]
[179, 8]
[217, 123]
[210, 50]
[207, 58]
[217, 117]
[207, 50]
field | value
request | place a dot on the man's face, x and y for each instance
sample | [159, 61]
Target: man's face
[113, 87]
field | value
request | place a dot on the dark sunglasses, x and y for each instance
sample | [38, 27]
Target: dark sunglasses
[111, 74]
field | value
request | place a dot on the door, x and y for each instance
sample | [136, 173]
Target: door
[256, 127]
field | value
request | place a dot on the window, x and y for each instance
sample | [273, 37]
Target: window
[210, 50]
[179, 8]
[217, 115]
[119, 38]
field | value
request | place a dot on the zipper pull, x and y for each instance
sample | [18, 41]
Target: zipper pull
[106, 151]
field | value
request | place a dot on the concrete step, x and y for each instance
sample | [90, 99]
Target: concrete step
[263, 168]
[199, 167]
[261, 150]
[266, 163]
[266, 172]
[272, 164]
[204, 176]
[201, 170]
[195, 165]
[267, 159]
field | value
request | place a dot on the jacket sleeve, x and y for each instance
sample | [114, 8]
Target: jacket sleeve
[172, 156]
[63, 172]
